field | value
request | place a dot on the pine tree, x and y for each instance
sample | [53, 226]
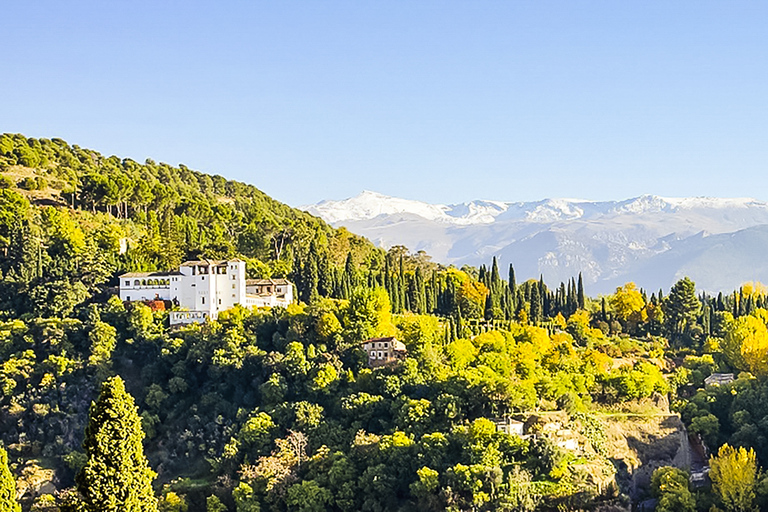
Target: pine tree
[682, 306]
[117, 476]
[8, 501]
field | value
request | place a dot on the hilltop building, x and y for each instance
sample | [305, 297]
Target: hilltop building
[383, 351]
[204, 288]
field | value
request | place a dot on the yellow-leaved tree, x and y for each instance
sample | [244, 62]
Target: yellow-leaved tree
[734, 477]
[746, 345]
[628, 303]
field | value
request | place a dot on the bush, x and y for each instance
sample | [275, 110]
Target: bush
[33, 183]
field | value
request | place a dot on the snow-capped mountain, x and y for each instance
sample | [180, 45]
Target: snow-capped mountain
[651, 240]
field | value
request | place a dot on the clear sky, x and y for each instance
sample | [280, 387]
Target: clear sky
[435, 100]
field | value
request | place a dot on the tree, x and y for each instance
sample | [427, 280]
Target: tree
[7, 486]
[734, 477]
[627, 302]
[245, 498]
[214, 504]
[308, 496]
[117, 476]
[746, 345]
[671, 487]
[103, 341]
[682, 306]
[172, 502]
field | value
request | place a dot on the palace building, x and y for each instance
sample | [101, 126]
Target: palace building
[204, 288]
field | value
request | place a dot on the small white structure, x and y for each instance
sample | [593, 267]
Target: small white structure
[269, 292]
[382, 351]
[510, 426]
[718, 379]
[202, 289]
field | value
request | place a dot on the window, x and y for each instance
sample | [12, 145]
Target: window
[203, 299]
[380, 355]
[136, 283]
[128, 298]
[233, 286]
[219, 301]
[203, 278]
[127, 283]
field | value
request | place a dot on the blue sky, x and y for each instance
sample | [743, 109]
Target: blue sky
[440, 101]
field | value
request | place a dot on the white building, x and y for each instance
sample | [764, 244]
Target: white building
[382, 351]
[203, 288]
[269, 292]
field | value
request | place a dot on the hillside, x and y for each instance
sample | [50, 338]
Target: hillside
[163, 215]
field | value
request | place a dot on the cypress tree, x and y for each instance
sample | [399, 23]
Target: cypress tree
[512, 280]
[403, 286]
[482, 276]
[117, 476]
[8, 501]
[580, 293]
[495, 278]
[535, 305]
[488, 313]
[325, 276]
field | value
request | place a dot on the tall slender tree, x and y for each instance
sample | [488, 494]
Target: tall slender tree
[117, 476]
[8, 501]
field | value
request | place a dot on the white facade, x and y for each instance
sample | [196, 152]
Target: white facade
[382, 351]
[201, 288]
[269, 292]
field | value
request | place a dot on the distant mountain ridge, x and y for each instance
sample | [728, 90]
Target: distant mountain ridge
[649, 239]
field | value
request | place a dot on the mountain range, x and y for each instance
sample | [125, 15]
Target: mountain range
[651, 240]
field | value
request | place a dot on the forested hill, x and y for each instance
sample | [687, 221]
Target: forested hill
[65, 206]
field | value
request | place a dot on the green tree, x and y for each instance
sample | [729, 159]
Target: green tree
[245, 498]
[103, 341]
[308, 496]
[256, 430]
[214, 504]
[117, 476]
[682, 306]
[734, 477]
[172, 502]
[672, 488]
[7, 486]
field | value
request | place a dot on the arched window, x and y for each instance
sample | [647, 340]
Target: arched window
[136, 282]
[143, 282]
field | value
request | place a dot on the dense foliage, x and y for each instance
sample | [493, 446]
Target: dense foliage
[278, 410]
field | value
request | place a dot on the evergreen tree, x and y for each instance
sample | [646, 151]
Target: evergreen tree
[495, 278]
[580, 293]
[535, 305]
[8, 501]
[682, 306]
[117, 476]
